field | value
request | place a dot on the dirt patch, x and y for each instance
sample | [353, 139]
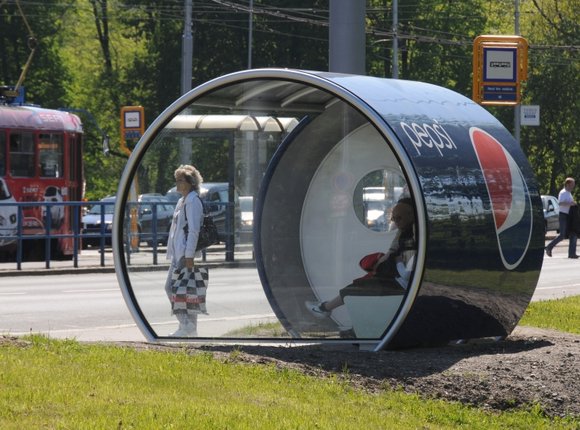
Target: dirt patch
[531, 367]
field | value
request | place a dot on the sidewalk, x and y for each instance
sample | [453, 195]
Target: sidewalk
[91, 260]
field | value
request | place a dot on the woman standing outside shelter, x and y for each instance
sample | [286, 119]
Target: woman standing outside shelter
[183, 235]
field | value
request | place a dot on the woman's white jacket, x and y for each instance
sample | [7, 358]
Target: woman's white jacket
[179, 244]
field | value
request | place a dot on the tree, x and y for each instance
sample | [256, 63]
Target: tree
[554, 84]
[38, 25]
[99, 55]
[435, 40]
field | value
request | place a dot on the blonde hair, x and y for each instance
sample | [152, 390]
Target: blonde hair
[191, 175]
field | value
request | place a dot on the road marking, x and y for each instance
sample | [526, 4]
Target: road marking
[133, 325]
[91, 291]
[559, 287]
[232, 318]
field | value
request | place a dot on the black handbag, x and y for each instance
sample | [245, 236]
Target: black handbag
[208, 234]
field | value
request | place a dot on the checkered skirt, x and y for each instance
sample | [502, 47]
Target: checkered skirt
[188, 291]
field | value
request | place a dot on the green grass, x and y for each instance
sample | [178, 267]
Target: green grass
[260, 330]
[561, 314]
[55, 384]
[506, 282]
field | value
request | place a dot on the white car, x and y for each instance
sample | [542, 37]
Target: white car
[246, 218]
[8, 215]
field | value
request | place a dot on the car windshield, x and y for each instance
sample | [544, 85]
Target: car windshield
[106, 208]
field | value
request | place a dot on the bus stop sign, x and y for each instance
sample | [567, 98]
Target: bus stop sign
[500, 64]
[132, 126]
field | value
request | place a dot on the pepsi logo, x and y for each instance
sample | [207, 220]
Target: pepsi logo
[429, 136]
[509, 197]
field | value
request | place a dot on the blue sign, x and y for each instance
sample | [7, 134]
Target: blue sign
[132, 134]
[499, 93]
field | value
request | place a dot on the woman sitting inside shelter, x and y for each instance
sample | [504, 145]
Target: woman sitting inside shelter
[388, 272]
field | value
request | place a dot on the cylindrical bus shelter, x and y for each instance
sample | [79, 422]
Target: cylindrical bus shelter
[326, 159]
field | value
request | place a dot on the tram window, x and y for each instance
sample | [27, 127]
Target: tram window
[22, 154]
[50, 154]
[72, 157]
[2, 153]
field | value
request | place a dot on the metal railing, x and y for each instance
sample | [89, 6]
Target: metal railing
[25, 230]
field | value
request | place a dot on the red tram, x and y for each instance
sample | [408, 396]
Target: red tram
[40, 161]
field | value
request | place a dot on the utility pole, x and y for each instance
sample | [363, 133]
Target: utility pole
[186, 66]
[395, 39]
[250, 33]
[347, 37]
[517, 108]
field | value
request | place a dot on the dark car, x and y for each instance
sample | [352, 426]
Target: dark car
[97, 222]
[216, 199]
[551, 213]
[173, 196]
[215, 196]
[159, 208]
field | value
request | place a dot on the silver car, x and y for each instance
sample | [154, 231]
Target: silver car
[551, 213]
[92, 227]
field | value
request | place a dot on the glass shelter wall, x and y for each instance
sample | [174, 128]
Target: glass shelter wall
[322, 180]
[351, 209]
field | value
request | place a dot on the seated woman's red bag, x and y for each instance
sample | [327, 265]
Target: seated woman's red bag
[368, 262]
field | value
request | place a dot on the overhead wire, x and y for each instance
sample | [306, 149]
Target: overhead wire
[310, 16]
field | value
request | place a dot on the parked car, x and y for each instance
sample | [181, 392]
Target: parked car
[164, 214]
[376, 208]
[92, 221]
[246, 231]
[173, 196]
[551, 213]
[215, 196]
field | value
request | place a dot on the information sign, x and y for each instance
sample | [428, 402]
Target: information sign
[530, 115]
[499, 67]
[132, 125]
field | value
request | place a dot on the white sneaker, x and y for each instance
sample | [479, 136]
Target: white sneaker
[314, 309]
[180, 332]
[191, 329]
[185, 330]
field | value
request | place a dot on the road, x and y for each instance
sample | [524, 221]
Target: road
[90, 307]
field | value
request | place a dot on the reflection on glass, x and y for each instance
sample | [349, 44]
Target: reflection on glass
[375, 196]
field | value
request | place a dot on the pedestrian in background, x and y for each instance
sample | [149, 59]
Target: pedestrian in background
[566, 201]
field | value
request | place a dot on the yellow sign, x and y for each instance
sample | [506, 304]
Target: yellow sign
[132, 125]
[500, 65]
